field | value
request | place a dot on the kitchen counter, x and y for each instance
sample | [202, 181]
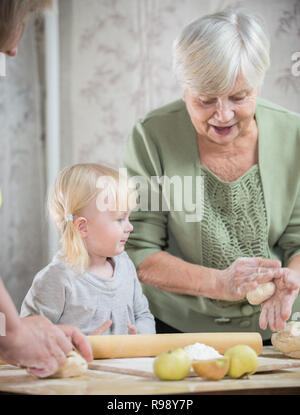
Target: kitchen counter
[102, 381]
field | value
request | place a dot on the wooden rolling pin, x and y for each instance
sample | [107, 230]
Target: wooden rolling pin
[147, 345]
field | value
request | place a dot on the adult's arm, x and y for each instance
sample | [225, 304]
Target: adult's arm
[34, 342]
[167, 272]
[278, 308]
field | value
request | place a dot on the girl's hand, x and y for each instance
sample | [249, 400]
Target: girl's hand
[244, 275]
[101, 329]
[277, 309]
[132, 329]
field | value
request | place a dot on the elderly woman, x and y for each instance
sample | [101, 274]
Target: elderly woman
[196, 274]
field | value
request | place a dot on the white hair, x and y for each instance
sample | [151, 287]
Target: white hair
[213, 50]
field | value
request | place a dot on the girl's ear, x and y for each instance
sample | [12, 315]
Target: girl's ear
[80, 224]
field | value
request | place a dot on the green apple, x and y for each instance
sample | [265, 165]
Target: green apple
[213, 369]
[243, 361]
[172, 365]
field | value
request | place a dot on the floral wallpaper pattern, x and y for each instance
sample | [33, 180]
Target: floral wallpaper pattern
[289, 25]
[122, 64]
[116, 65]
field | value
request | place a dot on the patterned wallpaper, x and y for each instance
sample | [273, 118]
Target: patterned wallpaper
[121, 64]
[115, 67]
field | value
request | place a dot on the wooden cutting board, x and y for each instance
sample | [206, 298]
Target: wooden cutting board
[143, 366]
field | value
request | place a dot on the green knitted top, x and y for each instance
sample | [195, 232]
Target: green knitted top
[234, 222]
[257, 215]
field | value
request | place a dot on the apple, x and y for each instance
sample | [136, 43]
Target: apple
[243, 361]
[213, 369]
[172, 365]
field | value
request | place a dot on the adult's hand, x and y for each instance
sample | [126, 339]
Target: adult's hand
[36, 344]
[277, 309]
[244, 275]
[78, 340]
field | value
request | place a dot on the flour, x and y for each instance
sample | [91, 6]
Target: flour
[199, 351]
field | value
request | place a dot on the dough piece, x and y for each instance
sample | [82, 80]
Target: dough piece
[261, 293]
[287, 341]
[75, 365]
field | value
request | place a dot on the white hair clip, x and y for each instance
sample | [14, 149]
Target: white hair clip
[69, 217]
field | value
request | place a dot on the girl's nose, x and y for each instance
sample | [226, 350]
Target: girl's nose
[129, 227]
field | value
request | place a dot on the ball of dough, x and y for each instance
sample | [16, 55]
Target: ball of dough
[261, 293]
[287, 341]
[75, 365]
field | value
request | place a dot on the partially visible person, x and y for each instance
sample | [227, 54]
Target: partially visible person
[13, 18]
[33, 343]
[91, 282]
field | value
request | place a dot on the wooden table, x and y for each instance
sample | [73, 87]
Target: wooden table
[100, 382]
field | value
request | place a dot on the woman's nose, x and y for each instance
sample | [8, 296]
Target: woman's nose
[224, 112]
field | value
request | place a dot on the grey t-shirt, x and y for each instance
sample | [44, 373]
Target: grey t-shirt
[86, 301]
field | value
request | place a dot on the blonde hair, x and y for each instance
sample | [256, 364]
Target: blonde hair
[13, 15]
[211, 51]
[74, 188]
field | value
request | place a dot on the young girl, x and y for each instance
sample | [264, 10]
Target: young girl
[91, 283]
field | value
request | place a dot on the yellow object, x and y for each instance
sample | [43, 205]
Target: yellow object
[172, 365]
[243, 361]
[213, 369]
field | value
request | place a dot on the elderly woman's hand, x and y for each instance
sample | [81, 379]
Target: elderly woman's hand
[244, 275]
[277, 309]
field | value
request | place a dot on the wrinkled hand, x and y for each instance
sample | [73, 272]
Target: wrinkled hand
[132, 329]
[277, 309]
[101, 329]
[244, 275]
[36, 344]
